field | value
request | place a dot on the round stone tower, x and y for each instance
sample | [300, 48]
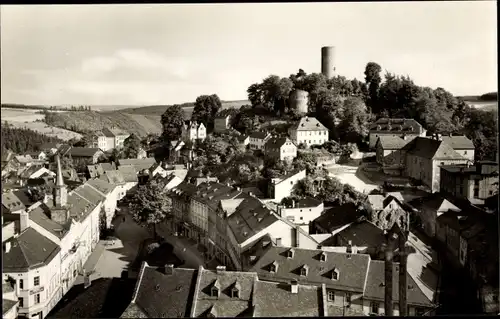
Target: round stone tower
[328, 61]
[298, 100]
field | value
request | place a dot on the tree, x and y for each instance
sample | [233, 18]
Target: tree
[205, 109]
[172, 121]
[131, 146]
[150, 204]
[255, 94]
[354, 124]
[373, 80]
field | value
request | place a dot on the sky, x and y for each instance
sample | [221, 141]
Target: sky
[143, 54]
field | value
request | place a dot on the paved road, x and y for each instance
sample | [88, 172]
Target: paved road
[183, 249]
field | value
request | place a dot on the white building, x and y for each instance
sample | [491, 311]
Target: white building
[302, 212]
[114, 138]
[309, 131]
[191, 131]
[282, 187]
[258, 140]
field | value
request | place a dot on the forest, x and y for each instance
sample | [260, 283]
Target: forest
[20, 140]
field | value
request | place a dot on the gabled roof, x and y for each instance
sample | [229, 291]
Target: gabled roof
[352, 268]
[113, 132]
[129, 173]
[434, 202]
[307, 202]
[431, 149]
[64, 149]
[363, 233]
[375, 285]
[458, 142]
[391, 142]
[249, 218]
[276, 300]
[16, 200]
[29, 250]
[139, 164]
[379, 202]
[159, 295]
[8, 304]
[84, 151]
[101, 185]
[225, 305]
[337, 217]
[396, 125]
[114, 177]
[210, 193]
[287, 175]
[308, 124]
[242, 138]
[260, 135]
[277, 142]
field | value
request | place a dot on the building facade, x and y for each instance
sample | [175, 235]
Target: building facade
[258, 140]
[395, 127]
[281, 148]
[309, 131]
[192, 131]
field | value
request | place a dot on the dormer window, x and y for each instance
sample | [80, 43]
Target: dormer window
[303, 270]
[214, 291]
[289, 253]
[322, 256]
[273, 268]
[335, 274]
[235, 291]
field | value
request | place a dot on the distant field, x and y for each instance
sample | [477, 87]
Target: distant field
[188, 108]
[486, 106]
[45, 129]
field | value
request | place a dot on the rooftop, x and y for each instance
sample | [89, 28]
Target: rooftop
[129, 173]
[431, 148]
[162, 295]
[277, 142]
[260, 135]
[351, 268]
[409, 126]
[480, 168]
[83, 151]
[459, 142]
[392, 142]
[308, 124]
[363, 234]
[337, 217]
[139, 164]
[113, 132]
[29, 250]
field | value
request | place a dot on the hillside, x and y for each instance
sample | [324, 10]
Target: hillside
[188, 108]
[139, 124]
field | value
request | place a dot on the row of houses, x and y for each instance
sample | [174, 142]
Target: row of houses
[47, 242]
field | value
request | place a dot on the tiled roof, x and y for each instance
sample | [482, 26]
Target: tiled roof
[90, 194]
[95, 170]
[101, 185]
[458, 142]
[288, 175]
[352, 268]
[392, 142]
[129, 173]
[337, 217]
[225, 305]
[362, 234]
[16, 200]
[83, 151]
[107, 166]
[160, 295]
[484, 169]
[260, 135]
[133, 311]
[41, 216]
[431, 149]
[277, 142]
[308, 124]
[242, 138]
[375, 288]
[276, 300]
[307, 202]
[139, 164]
[114, 177]
[63, 149]
[28, 251]
[434, 202]
[409, 126]
[211, 193]
[379, 202]
[183, 189]
[113, 132]
[8, 304]
[249, 218]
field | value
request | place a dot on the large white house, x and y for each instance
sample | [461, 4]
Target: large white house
[109, 138]
[191, 131]
[308, 131]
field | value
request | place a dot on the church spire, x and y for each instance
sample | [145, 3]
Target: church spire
[60, 191]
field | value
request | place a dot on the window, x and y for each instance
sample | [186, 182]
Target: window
[331, 296]
[303, 271]
[214, 292]
[36, 281]
[491, 192]
[235, 293]
[272, 268]
[465, 152]
[442, 163]
[37, 299]
[301, 218]
[335, 274]
[476, 192]
[21, 302]
[301, 210]
[21, 284]
[374, 307]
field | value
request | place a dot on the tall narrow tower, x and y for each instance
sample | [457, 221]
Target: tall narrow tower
[60, 190]
[328, 61]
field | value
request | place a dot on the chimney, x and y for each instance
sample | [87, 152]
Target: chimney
[294, 286]
[278, 242]
[169, 269]
[24, 221]
[220, 269]
[349, 247]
